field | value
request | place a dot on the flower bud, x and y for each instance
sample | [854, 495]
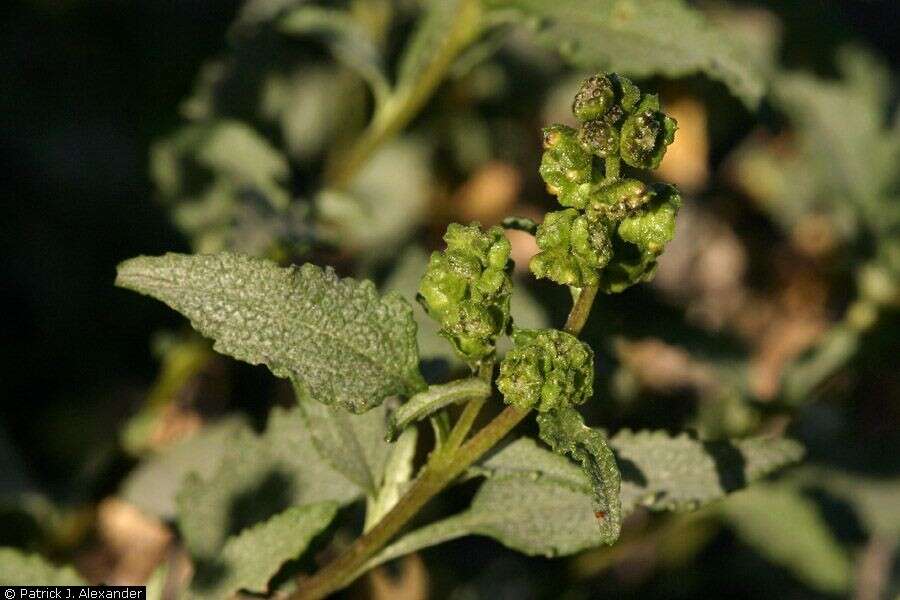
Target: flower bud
[467, 289]
[594, 98]
[572, 248]
[639, 240]
[566, 167]
[618, 199]
[600, 138]
[645, 135]
[545, 370]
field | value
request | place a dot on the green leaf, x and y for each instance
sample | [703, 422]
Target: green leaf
[154, 484]
[208, 172]
[565, 432]
[848, 151]
[433, 37]
[262, 475]
[348, 40]
[640, 38]
[352, 444]
[533, 514]
[682, 473]
[249, 560]
[434, 399]
[385, 203]
[398, 471]
[786, 527]
[873, 499]
[19, 568]
[364, 345]
[538, 502]
[842, 156]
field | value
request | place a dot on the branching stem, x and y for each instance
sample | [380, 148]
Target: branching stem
[443, 467]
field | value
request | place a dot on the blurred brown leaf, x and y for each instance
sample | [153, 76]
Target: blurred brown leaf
[412, 583]
[686, 163]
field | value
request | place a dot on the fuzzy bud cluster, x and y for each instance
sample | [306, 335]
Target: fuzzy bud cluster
[467, 289]
[546, 369]
[613, 228]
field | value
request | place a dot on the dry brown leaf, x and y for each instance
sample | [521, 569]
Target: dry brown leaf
[663, 368]
[489, 194]
[134, 542]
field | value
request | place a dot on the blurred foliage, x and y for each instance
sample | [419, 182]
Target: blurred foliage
[774, 309]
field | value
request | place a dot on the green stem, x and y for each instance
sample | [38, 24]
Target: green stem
[582, 309]
[471, 411]
[440, 471]
[443, 467]
[404, 104]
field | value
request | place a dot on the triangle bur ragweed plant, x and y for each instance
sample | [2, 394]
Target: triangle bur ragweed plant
[347, 350]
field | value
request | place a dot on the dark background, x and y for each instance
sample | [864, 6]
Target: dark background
[86, 87]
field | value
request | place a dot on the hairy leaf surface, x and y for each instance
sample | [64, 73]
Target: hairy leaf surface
[538, 502]
[564, 430]
[683, 473]
[352, 444]
[262, 475]
[248, 561]
[153, 485]
[787, 528]
[640, 38]
[348, 346]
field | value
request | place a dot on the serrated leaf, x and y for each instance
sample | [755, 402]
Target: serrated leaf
[538, 502]
[248, 561]
[19, 568]
[786, 527]
[681, 473]
[640, 38]
[348, 346]
[533, 514]
[261, 475]
[564, 431]
[153, 485]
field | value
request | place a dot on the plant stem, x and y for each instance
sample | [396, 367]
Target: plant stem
[441, 470]
[581, 309]
[471, 411]
[444, 465]
[409, 97]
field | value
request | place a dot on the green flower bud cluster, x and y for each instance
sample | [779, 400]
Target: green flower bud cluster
[614, 228]
[467, 289]
[545, 370]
